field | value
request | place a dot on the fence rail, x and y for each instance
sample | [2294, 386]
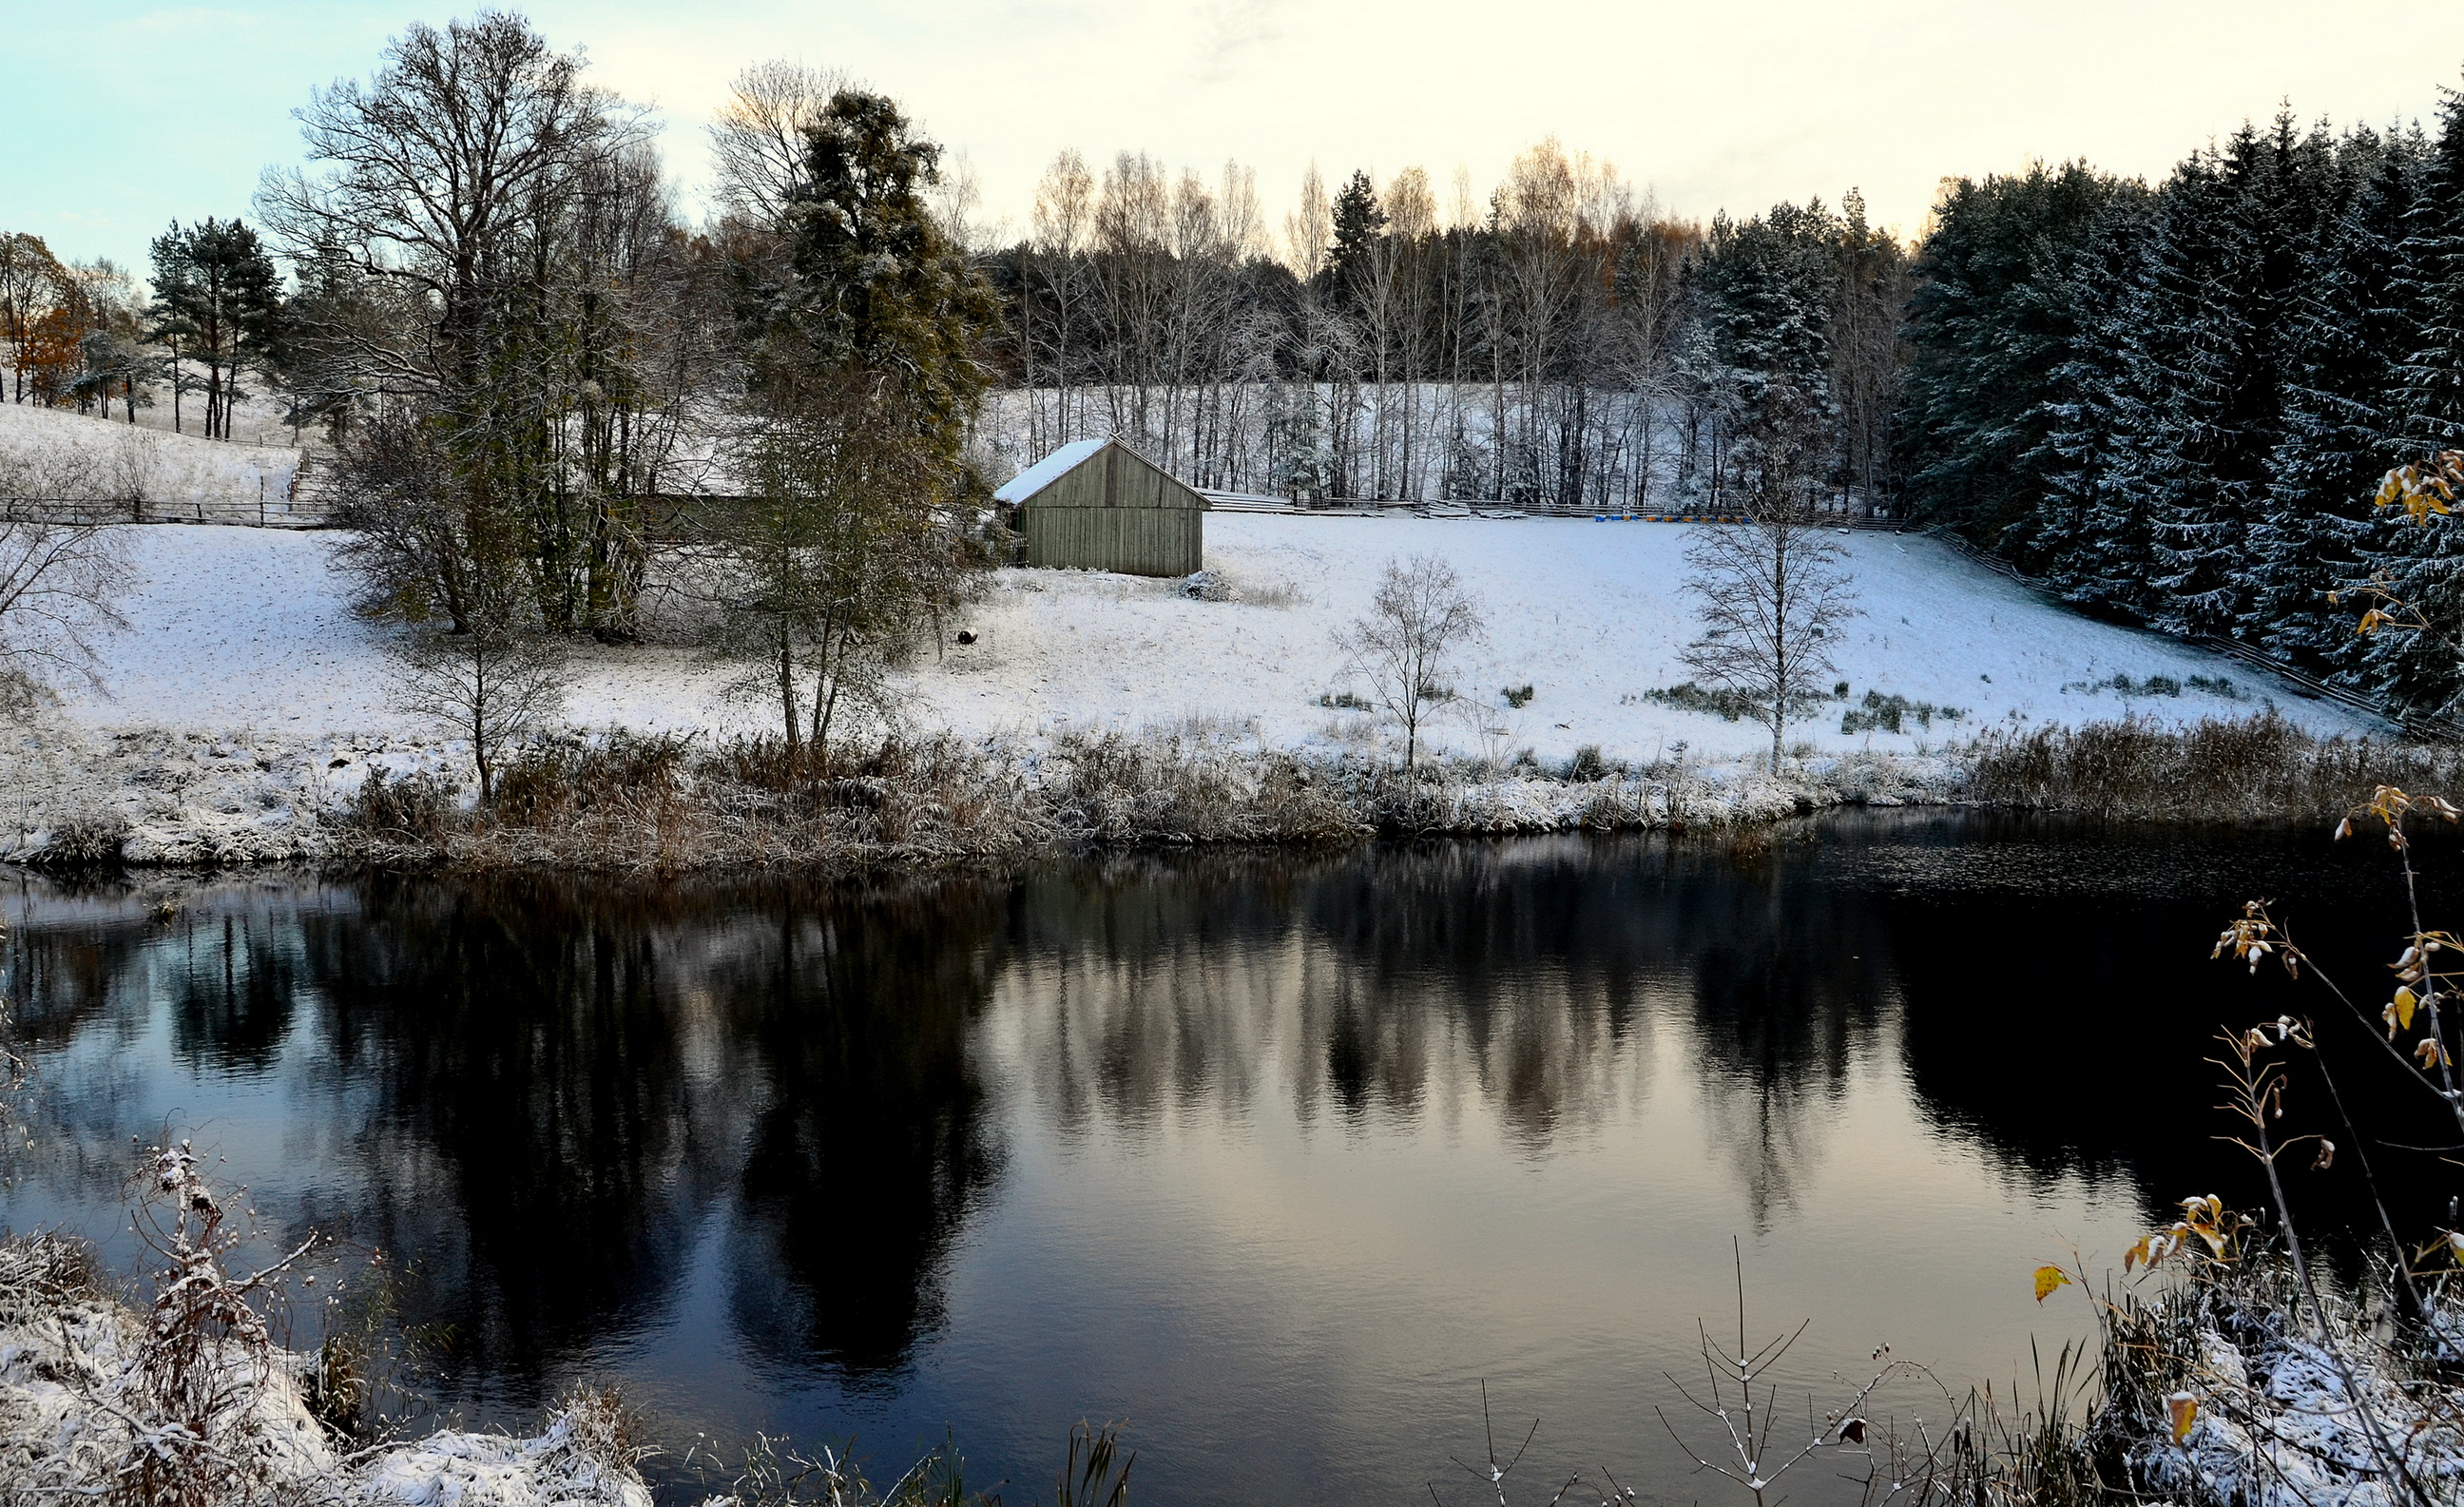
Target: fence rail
[270, 513]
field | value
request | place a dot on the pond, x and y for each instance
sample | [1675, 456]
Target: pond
[1281, 1157]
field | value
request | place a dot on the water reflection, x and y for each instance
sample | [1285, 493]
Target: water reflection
[1270, 1147]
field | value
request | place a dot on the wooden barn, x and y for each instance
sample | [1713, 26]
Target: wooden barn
[1099, 505]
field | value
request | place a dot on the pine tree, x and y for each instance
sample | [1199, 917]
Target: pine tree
[218, 300]
[877, 285]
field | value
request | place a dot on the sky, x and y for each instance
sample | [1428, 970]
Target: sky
[117, 117]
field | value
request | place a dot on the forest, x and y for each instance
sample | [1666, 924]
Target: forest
[2170, 404]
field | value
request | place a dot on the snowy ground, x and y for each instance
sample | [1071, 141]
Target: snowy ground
[83, 456]
[243, 629]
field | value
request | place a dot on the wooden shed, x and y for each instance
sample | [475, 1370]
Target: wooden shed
[1099, 505]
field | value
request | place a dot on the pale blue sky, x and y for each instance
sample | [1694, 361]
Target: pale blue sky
[116, 117]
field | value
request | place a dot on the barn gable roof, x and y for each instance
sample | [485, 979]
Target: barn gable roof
[1045, 472]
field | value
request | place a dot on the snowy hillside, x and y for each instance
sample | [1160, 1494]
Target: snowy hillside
[243, 627]
[81, 456]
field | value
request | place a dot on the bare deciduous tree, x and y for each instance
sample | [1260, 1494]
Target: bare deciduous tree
[488, 684]
[1420, 614]
[487, 251]
[60, 576]
[759, 138]
[1773, 595]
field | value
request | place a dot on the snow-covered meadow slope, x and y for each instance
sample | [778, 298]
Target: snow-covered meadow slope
[238, 629]
[77, 456]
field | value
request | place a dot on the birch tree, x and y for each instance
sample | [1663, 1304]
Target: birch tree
[1773, 593]
[1420, 616]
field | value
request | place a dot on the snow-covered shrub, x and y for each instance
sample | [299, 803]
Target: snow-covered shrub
[192, 1405]
[1729, 704]
[1890, 714]
[92, 838]
[1111, 787]
[548, 782]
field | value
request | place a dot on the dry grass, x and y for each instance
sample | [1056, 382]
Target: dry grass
[2257, 768]
[665, 805]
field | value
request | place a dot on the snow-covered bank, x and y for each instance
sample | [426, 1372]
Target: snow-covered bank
[247, 698]
[235, 629]
[73, 1364]
[76, 456]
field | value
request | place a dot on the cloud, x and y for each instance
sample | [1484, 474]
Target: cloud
[1230, 32]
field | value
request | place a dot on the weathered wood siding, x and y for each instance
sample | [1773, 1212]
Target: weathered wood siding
[1116, 511]
[1081, 487]
[1138, 541]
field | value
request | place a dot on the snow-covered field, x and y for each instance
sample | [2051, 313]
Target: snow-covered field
[79, 457]
[244, 629]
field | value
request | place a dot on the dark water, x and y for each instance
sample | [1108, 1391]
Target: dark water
[1276, 1157]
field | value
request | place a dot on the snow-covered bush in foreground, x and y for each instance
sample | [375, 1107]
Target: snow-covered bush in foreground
[2219, 1391]
[82, 1412]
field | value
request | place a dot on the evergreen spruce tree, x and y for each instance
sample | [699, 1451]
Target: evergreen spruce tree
[1359, 221]
[2346, 336]
[1995, 316]
[2206, 332]
[2163, 398]
[1766, 289]
[2413, 671]
[2080, 534]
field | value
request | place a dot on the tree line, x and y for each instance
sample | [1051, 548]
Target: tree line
[2174, 403]
[83, 334]
[2170, 402]
[1558, 343]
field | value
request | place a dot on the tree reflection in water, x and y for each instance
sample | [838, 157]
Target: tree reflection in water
[568, 1103]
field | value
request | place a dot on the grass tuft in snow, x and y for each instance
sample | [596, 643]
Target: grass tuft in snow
[1891, 714]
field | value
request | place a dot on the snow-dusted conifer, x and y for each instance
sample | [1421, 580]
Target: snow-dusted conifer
[2425, 563]
[2317, 533]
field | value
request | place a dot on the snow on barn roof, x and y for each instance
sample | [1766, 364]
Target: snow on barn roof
[1050, 469]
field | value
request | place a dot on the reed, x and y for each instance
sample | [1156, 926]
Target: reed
[2248, 770]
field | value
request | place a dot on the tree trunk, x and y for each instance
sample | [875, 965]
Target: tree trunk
[788, 696]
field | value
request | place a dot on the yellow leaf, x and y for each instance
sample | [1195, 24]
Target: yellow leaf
[2185, 1409]
[2430, 1053]
[2399, 1013]
[2049, 1277]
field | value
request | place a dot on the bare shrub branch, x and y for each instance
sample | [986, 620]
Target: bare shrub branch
[1420, 614]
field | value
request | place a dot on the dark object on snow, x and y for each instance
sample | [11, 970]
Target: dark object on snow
[1099, 505]
[1206, 585]
[966, 637]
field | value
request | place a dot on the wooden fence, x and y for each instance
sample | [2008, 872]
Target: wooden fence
[269, 512]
